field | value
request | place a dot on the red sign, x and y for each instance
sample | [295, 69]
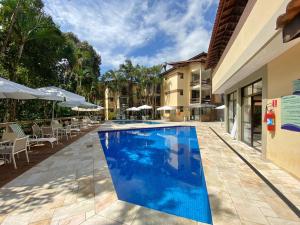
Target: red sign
[274, 102]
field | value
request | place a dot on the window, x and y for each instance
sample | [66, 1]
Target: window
[111, 99]
[257, 87]
[181, 108]
[180, 75]
[111, 110]
[181, 92]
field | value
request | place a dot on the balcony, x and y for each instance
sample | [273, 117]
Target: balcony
[194, 100]
[197, 100]
[194, 82]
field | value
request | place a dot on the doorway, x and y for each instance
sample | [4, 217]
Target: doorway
[252, 114]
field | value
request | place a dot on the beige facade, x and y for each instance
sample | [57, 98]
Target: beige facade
[256, 56]
[186, 87]
[116, 103]
[111, 103]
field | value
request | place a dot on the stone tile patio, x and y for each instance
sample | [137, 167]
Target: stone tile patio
[74, 187]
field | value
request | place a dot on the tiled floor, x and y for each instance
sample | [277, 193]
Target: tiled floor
[237, 194]
[74, 187]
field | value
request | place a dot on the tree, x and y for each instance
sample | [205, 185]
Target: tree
[130, 73]
[36, 53]
[114, 81]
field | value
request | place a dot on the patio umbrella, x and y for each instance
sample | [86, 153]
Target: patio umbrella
[221, 107]
[87, 109]
[164, 108]
[58, 94]
[133, 109]
[73, 104]
[12, 90]
[144, 107]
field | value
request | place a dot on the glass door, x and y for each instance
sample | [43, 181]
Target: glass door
[232, 100]
[251, 114]
[256, 120]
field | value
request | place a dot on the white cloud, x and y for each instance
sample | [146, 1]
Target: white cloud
[116, 27]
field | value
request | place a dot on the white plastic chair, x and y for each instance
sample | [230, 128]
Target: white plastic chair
[19, 145]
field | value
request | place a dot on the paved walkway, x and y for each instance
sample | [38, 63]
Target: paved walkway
[237, 194]
[74, 187]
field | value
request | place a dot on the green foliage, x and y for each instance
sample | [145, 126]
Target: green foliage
[111, 115]
[36, 53]
[139, 81]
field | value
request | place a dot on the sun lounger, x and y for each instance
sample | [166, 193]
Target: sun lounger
[31, 140]
[38, 136]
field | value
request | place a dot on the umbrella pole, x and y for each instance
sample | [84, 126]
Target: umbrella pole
[53, 106]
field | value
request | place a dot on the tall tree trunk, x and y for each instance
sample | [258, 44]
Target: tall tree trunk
[13, 77]
[12, 110]
[10, 29]
[154, 107]
[130, 94]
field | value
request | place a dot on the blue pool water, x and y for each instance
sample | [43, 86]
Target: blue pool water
[134, 121]
[158, 168]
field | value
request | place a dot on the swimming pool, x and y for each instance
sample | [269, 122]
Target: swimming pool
[158, 168]
[134, 121]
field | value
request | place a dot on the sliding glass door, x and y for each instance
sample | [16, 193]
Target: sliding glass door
[232, 101]
[251, 114]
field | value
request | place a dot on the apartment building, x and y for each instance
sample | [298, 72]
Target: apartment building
[187, 88]
[254, 56]
[116, 103]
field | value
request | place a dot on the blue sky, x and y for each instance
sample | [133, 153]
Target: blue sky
[148, 32]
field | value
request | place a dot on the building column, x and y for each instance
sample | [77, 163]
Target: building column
[200, 93]
[264, 104]
[106, 103]
[239, 114]
[226, 112]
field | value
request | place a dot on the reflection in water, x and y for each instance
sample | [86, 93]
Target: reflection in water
[159, 168]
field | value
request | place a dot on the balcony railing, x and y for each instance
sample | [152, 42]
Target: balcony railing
[197, 82]
[194, 82]
[197, 100]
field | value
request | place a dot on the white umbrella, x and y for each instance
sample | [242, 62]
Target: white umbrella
[134, 109]
[59, 94]
[144, 107]
[72, 104]
[9, 89]
[87, 110]
[99, 108]
[221, 107]
[166, 108]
